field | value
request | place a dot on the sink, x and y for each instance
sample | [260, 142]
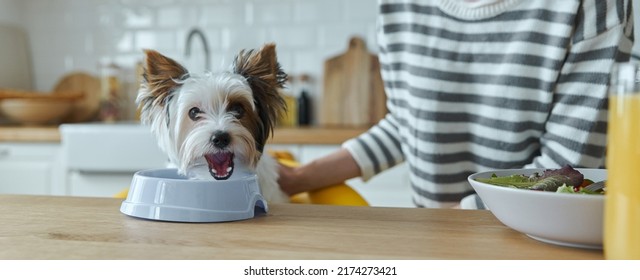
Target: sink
[99, 159]
[118, 147]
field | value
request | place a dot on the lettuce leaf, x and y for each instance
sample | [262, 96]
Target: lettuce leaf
[565, 189]
[549, 180]
[515, 181]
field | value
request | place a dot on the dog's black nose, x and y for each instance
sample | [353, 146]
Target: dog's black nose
[220, 139]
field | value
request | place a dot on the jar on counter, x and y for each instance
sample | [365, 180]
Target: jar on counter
[139, 80]
[111, 96]
[289, 118]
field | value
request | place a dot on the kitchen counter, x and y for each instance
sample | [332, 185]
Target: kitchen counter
[302, 135]
[50, 227]
[314, 135]
[29, 134]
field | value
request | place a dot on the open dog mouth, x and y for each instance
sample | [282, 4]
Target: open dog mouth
[220, 165]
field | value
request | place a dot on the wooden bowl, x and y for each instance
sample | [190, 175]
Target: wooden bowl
[37, 108]
[29, 111]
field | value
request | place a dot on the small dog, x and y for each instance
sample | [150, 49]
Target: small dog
[207, 123]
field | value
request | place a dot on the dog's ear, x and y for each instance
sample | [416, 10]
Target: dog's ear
[265, 77]
[160, 78]
[260, 65]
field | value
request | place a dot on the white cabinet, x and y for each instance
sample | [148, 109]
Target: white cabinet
[41, 169]
[29, 168]
[97, 184]
[99, 160]
[387, 189]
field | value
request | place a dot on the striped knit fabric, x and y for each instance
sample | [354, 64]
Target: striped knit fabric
[512, 84]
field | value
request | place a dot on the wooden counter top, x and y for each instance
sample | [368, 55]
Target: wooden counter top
[307, 135]
[314, 135]
[29, 134]
[48, 227]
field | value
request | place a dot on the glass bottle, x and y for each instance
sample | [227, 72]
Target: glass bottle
[110, 100]
[304, 102]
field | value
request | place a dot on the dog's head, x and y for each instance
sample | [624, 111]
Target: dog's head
[213, 118]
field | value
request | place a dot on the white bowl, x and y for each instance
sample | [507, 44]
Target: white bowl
[567, 219]
[162, 194]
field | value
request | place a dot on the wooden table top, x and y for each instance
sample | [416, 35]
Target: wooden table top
[55, 227]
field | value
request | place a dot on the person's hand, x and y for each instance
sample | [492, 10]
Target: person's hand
[289, 179]
[339, 165]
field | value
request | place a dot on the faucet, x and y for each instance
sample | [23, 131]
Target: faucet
[187, 49]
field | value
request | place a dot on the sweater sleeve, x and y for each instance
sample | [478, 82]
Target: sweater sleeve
[377, 149]
[575, 132]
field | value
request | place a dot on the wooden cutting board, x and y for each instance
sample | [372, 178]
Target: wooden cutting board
[353, 93]
[86, 108]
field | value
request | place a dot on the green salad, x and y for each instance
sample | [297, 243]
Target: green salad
[563, 180]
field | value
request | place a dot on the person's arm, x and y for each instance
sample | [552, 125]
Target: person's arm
[330, 170]
[364, 156]
[575, 132]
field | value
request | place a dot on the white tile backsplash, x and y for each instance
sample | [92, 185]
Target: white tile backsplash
[243, 37]
[219, 15]
[78, 35]
[319, 11]
[139, 17]
[11, 12]
[360, 10]
[293, 37]
[271, 12]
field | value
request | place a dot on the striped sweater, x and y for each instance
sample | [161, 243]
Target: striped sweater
[511, 84]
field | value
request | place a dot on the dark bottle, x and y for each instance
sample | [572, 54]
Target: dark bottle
[304, 109]
[304, 103]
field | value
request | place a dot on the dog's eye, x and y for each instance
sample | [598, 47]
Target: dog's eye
[193, 113]
[237, 110]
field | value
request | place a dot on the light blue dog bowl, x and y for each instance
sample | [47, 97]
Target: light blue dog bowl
[162, 194]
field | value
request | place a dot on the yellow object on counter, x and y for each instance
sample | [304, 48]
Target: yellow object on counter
[341, 194]
[122, 194]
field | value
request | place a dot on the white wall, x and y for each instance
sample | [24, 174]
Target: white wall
[79, 35]
[11, 12]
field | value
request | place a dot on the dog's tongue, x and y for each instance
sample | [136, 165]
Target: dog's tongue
[220, 165]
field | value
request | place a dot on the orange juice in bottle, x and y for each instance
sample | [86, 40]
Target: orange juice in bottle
[622, 198]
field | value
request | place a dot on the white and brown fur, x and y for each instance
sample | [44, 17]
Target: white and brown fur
[204, 120]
